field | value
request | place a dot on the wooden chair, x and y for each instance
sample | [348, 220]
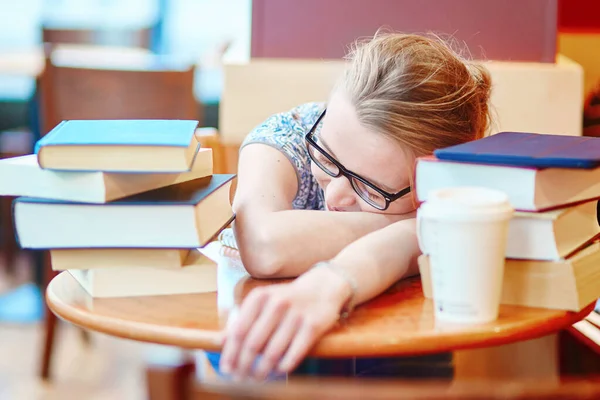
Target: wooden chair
[354, 389]
[579, 347]
[180, 382]
[20, 142]
[143, 92]
[148, 92]
[120, 37]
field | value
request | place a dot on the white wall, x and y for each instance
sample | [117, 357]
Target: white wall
[19, 23]
[196, 27]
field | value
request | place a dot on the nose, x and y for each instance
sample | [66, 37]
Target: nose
[339, 193]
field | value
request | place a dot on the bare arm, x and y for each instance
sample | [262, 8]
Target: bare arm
[374, 262]
[276, 241]
[282, 322]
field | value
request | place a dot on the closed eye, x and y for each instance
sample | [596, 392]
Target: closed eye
[324, 160]
[374, 196]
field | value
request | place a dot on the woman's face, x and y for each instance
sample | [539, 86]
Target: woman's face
[368, 154]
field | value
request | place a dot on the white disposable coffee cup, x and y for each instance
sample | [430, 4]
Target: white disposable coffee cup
[464, 230]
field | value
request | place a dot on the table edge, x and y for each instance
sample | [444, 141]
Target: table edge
[328, 347]
[133, 330]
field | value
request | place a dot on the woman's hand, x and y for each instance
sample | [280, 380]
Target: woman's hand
[281, 322]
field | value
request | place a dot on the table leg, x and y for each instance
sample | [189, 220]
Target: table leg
[169, 382]
[50, 321]
[535, 359]
[49, 331]
[169, 373]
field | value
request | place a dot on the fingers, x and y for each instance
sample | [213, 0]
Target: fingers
[239, 327]
[268, 324]
[279, 343]
[302, 342]
[261, 332]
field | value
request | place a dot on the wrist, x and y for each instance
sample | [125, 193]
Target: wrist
[336, 286]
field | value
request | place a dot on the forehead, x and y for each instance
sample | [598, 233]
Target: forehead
[362, 150]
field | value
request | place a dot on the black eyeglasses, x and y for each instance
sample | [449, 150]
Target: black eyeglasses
[374, 196]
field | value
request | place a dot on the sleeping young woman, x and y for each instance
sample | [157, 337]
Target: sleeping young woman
[325, 193]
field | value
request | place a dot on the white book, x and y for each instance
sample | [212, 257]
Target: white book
[528, 189]
[181, 216]
[65, 259]
[552, 235]
[22, 176]
[198, 275]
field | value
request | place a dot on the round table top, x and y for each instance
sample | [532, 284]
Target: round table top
[397, 323]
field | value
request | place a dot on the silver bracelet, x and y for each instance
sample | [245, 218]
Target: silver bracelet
[349, 305]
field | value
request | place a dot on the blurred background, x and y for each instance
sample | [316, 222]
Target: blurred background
[162, 36]
[195, 31]
[63, 59]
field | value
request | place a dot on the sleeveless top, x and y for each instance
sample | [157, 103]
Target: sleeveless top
[285, 131]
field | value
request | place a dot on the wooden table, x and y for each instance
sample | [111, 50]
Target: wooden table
[30, 62]
[397, 323]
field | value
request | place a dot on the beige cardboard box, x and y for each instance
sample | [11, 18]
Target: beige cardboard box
[533, 97]
[583, 48]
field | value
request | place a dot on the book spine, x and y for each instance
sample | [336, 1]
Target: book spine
[39, 145]
[48, 137]
[198, 147]
[14, 221]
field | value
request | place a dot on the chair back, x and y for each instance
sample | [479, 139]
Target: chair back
[585, 388]
[120, 37]
[149, 89]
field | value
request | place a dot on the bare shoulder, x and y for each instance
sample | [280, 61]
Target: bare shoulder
[266, 179]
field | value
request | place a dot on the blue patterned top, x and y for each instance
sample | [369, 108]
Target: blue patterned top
[285, 131]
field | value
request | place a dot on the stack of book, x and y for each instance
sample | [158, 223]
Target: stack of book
[122, 205]
[553, 182]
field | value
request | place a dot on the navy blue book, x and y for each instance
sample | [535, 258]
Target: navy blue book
[186, 215]
[532, 150]
[143, 146]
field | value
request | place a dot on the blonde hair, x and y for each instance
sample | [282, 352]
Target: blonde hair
[418, 91]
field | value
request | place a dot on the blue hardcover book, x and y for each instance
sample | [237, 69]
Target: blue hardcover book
[523, 149]
[144, 146]
[186, 215]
